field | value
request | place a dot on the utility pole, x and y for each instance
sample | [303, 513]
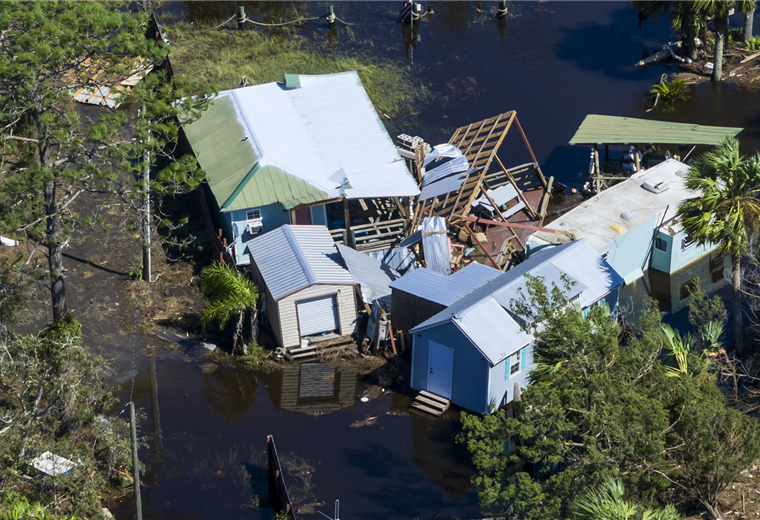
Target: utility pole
[146, 219]
[135, 461]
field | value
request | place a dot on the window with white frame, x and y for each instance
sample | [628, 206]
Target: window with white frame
[253, 214]
[687, 242]
[513, 364]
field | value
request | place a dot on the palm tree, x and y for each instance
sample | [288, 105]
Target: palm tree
[606, 502]
[726, 211]
[229, 295]
[748, 8]
[719, 10]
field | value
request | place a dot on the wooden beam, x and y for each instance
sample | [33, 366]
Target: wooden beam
[348, 238]
[519, 192]
[530, 151]
[482, 247]
[513, 225]
[545, 202]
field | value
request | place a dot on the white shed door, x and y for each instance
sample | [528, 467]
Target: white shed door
[441, 370]
[317, 316]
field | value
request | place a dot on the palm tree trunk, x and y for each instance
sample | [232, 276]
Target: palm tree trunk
[720, 36]
[736, 278]
[691, 44]
[749, 17]
[239, 336]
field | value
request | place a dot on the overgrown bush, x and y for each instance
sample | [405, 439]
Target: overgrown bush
[53, 397]
[753, 44]
[670, 94]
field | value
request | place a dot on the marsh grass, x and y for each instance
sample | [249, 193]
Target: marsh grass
[222, 57]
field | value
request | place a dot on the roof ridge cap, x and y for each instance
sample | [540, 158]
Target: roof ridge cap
[295, 246]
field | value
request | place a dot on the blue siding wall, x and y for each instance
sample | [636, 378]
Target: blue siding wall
[680, 258]
[273, 215]
[318, 215]
[501, 389]
[469, 387]
[661, 260]
[628, 253]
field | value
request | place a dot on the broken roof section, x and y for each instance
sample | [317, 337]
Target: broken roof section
[291, 258]
[598, 129]
[373, 276]
[306, 144]
[445, 290]
[483, 314]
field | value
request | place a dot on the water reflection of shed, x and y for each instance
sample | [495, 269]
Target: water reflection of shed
[313, 389]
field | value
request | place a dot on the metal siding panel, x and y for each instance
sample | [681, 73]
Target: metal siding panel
[372, 276]
[501, 390]
[436, 245]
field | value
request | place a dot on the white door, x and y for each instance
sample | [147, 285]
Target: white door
[441, 364]
[317, 316]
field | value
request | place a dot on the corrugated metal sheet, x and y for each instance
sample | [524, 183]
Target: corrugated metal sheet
[293, 257]
[431, 286]
[443, 186]
[475, 275]
[577, 259]
[373, 277]
[598, 129]
[490, 328]
[308, 141]
[411, 239]
[436, 245]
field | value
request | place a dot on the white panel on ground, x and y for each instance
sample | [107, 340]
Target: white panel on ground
[317, 316]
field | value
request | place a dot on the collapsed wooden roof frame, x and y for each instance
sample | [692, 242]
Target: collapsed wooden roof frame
[479, 142]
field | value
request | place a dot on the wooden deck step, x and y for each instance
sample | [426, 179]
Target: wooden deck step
[431, 403]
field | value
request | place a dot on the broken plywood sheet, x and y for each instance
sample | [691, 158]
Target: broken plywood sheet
[100, 90]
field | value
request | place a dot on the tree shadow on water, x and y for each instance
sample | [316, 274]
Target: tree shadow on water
[613, 49]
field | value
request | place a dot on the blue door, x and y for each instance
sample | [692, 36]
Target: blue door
[441, 364]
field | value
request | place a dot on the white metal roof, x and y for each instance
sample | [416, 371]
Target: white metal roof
[442, 289]
[592, 219]
[291, 258]
[373, 276]
[324, 132]
[482, 315]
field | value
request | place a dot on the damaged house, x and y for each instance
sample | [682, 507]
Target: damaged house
[476, 352]
[308, 150]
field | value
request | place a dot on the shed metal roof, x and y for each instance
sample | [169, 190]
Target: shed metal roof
[373, 276]
[443, 289]
[478, 310]
[313, 143]
[291, 258]
[598, 129]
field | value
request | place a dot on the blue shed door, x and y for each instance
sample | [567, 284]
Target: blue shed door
[441, 363]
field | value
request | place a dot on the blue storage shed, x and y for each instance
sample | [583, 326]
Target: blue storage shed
[475, 352]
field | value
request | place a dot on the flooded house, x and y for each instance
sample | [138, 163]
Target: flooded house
[633, 224]
[308, 150]
[476, 352]
[306, 289]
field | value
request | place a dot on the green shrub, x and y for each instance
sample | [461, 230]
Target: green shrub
[670, 93]
[64, 330]
[753, 44]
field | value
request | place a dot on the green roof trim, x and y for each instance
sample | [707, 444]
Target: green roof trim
[598, 129]
[233, 171]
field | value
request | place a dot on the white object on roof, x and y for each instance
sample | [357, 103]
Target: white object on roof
[484, 316]
[373, 277]
[51, 464]
[326, 125]
[592, 219]
[656, 185]
[291, 258]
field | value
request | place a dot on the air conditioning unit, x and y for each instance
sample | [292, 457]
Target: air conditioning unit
[254, 226]
[656, 185]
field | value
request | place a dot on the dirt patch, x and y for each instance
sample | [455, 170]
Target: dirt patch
[741, 67]
[742, 499]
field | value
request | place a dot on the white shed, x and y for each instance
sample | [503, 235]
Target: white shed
[307, 289]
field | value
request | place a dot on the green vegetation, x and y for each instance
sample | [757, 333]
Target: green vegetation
[53, 398]
[220, 58]
[670, 93]
[606, 502]
[726, 211]
[607, 411]
[229, 295]
[753, 44]
[14, 506]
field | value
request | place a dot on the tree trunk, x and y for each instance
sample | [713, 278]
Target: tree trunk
[749, 18]
[255, 325]
[238, 338]
[736, 278]
[720, 36]
[691, 44]
[713, 511]
[55, 258]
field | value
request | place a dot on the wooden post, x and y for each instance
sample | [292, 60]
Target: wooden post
[348, 238]
[636, 158]
[293, 220]
[545, 202]
[501, 12]
[241, 18]
[135, 461]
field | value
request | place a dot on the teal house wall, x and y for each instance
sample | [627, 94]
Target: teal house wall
[669, 254]
[628, 254]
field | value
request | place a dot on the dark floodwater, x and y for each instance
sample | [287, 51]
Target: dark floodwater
[552, 62]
